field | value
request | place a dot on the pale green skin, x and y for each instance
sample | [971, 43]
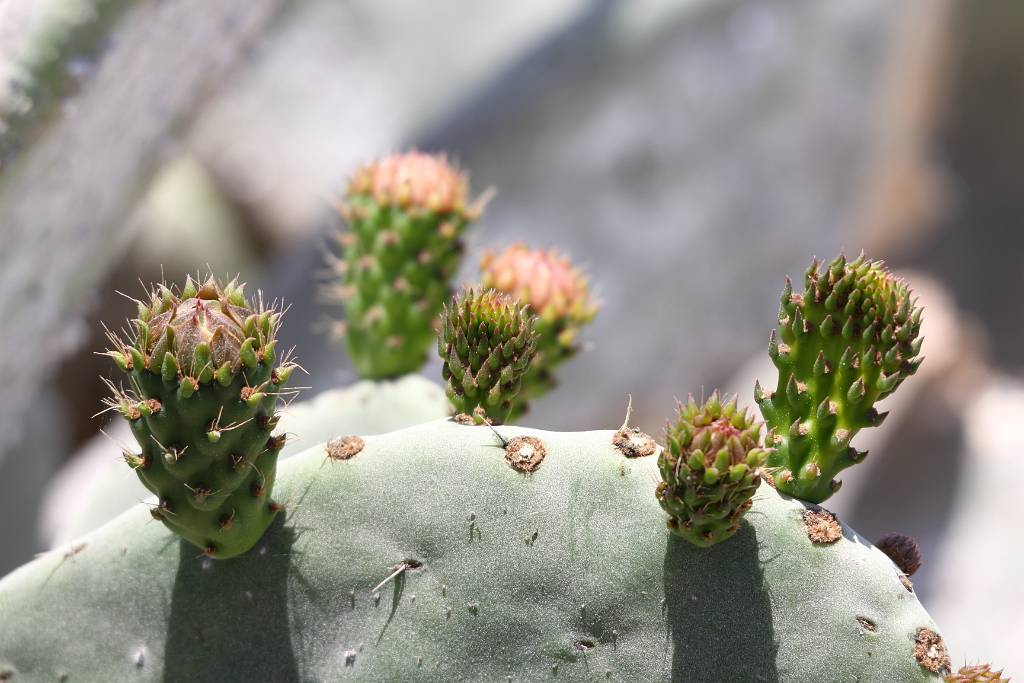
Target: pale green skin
[367, 407]
[577, 550]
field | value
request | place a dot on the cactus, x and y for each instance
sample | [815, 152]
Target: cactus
[848, 340]
[710, 470]
[486, 343]
[406, 215]
[558, 293]
[204, 386]
[426, 556]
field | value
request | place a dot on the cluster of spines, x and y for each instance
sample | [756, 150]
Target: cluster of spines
[201, 404]
[710, 469]
[560, 296]
[486, 342]
[977, 673]
[406, 215]
[847, 341]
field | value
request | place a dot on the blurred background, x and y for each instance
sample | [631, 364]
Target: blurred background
[688, 153]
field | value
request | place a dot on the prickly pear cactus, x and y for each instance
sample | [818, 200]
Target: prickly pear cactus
[204, 385]
[486, 343]
[558, 294]
[427, 556]
[406, 215]
[844, 343]
[710, 470]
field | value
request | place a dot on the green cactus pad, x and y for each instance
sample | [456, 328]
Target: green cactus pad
[486, 342]
[426, 557]
[710, 470]
[406, 215]
[201, 402]
[560, 296]
[847, 341]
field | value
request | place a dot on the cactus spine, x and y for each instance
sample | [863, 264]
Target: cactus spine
[486, 343]
[558, 293]
[406, 215]
[848, 340]
[710, 470]
[204, 387]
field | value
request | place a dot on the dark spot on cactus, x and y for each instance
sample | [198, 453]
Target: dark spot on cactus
[822, 526]
[210, 550]
[525, 453]
[344, 447]
[902, 550]
[463, 419]
[257, 489]
[62, 676]
[6, 675]
[584, 644]
[473, 608]
[246, 393]
[276, 443]
[350, 657]
[905, 580]
[275, 507]
[930, 652]
[633, 443]
[866, 624]
[227, 521]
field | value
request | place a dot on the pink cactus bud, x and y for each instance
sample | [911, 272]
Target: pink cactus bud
[413, 180]
[544, 280]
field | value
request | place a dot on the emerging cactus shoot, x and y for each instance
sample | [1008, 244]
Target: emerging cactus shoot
[201, 367]
[848, 340]
[406, 215]
[486, 342]
[558, 293]
[709, 470]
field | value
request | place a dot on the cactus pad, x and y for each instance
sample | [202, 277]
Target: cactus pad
[487, 341]
[427, 557]
[201, 402]
[710, 470]
[406, 215]
[848, 340]
[560, 296]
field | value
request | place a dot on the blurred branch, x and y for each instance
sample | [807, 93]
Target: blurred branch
[64, 201]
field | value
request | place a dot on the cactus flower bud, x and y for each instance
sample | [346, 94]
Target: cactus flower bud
[847, 341]
[487, 341]
[710, 470]
[406, 215]
[204, 391]
[557, 293]
[977, 673]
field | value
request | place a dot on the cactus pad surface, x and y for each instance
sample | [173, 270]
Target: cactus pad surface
[427, 557]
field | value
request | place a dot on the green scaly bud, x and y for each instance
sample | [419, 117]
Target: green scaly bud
[487, 341]
[710, 470]
[406, 215]
[198, 405]
[844, 343]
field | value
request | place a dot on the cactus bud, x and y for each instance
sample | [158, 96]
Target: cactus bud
[557, 293]
[192, 359]
[486, 342]
[707, 484]
[406, 214]
[858, 340]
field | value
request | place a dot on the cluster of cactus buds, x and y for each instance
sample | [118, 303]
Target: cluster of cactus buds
[559, 295]
[201, 404]
[848, 340]
[406, 215]
[487, 341]
[710, 469]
